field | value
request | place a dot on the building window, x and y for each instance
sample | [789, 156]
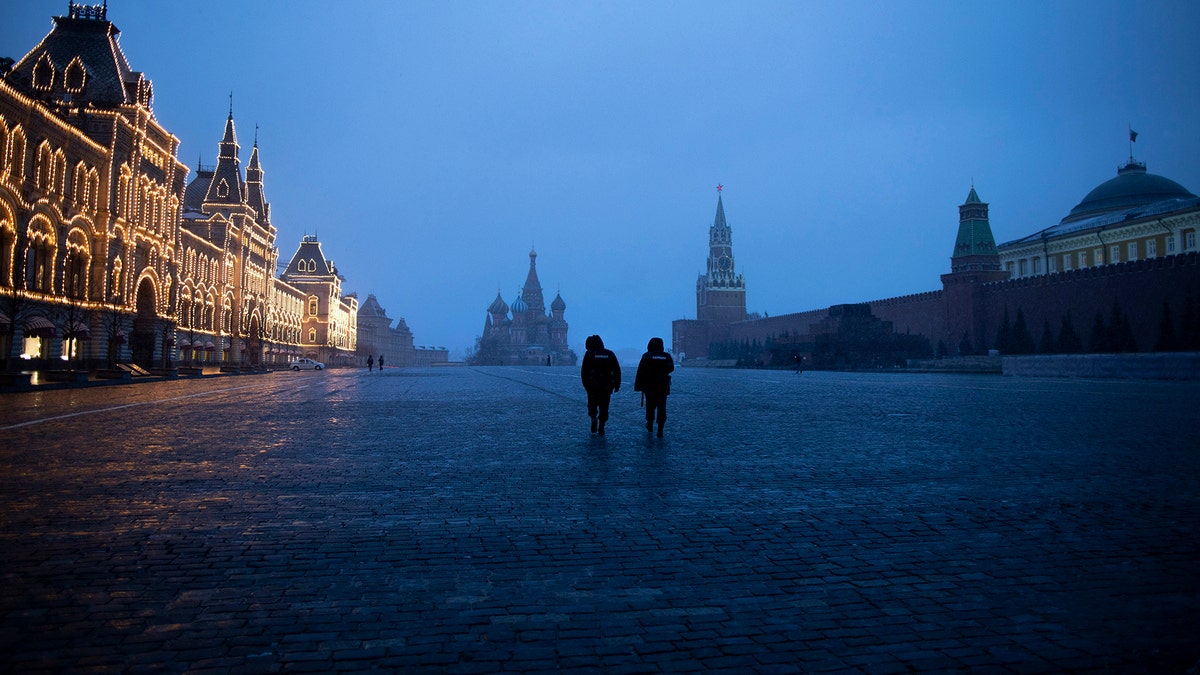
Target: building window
[312, 334]
[1082, 259]
[1151, 248]
[1021, 267]
[1009, 266]
[43, 73]
[1189, 240]
[1131, 251]
[1170, 243]
[313, 307]
[1066, 262]
[1052, 264]
[1114, 254]
[1037, 265]
[75, 76]
[1097, 257]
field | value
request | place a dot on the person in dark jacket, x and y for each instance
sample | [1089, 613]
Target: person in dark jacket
[601, 376]
[653, 379]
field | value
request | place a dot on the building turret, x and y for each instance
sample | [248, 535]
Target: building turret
[975, 248]
[720, 292]
[254, 187]
[225, 188]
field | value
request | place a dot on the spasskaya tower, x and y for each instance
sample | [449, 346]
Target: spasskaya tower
[720, 292]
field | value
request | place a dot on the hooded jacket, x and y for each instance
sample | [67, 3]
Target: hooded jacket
[600, 369]
[654, 370]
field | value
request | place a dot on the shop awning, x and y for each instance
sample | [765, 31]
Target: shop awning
[39, 327]
[79, 331]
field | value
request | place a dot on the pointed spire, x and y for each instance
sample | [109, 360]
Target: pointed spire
[532, 293]
[719, 219]
[973, 197]
[226, 184]
[255, 195]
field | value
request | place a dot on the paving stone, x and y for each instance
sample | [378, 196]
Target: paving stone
[464, 520]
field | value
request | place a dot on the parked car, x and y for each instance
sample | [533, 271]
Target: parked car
[307, 364]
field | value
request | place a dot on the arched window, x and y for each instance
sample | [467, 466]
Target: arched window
[79, 185]
[8, 242]
[58, 175]
[16, 154]
[3, 148]
[313, 306]
[44, 171]
[93, 189]
[75, 271]
[312, 334]
[43, 73]
[75, 76]
[39, 257]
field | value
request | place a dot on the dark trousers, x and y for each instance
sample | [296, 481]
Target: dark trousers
[597, 401]
[656, 400]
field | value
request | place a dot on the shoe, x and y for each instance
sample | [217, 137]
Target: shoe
[593, 425]
[601, 432]
[649, 425]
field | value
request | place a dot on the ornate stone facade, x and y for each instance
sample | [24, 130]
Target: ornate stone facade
[90, 196]
[106, 257]
[530, 336]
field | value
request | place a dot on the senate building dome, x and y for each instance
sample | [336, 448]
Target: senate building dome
[1133, 187]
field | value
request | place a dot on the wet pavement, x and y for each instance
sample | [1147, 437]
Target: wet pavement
[464, 520]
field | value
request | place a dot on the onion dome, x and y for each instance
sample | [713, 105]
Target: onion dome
[1132, 187]
[519, 306]
[558, 305]
[498, 305]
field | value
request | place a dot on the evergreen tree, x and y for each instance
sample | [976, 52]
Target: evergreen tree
[1189, 327]
[1120, 333]
[1167, 341]
[1004, 335]
[1099, 343]
[1047, 345]
[1068, 340]
[1021, 342]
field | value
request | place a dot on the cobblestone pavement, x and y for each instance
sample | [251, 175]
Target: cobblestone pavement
[464, 521]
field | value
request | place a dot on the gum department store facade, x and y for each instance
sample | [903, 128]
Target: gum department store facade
[107, 256]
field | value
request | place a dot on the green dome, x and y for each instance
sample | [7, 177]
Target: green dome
[1132, 187]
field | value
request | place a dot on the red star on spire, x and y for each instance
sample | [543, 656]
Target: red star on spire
[720, 187]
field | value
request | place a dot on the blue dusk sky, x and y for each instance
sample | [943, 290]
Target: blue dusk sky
[429, 145]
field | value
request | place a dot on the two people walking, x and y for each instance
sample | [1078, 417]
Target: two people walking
[601, 375]
[371, 362]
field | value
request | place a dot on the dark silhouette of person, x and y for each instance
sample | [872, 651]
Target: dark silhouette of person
[601, 376]
[381, 363]
[370, 363]
[653, 379]
[799, 361]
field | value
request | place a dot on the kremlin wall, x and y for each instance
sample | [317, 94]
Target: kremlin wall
[1119, 273]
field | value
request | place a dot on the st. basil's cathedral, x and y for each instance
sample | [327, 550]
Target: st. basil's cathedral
[530, 336]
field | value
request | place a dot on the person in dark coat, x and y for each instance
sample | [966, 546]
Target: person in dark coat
[601, 376]
[653, 379]
[370, 362]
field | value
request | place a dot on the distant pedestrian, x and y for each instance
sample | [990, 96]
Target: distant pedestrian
[799, 362]
[370, 363]
[653, 379]
[601, 375]
[547, 359]
[381, 363]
